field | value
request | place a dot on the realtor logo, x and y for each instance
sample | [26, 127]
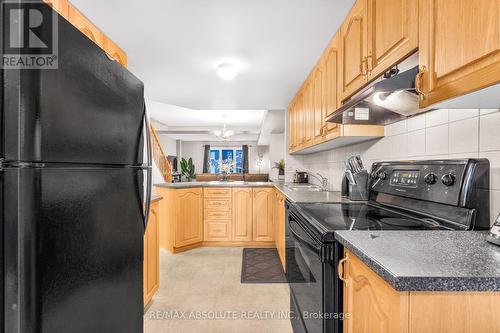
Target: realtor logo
[29, 39]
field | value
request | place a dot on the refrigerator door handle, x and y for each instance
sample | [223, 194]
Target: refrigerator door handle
[149, 167]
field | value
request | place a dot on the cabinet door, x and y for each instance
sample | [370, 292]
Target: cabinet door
[374, 306]
[115, 52]
[188, 216]
[317, 94]
[299, 120]
[85, 26]
[353, 43]
[242, 215]
[217, 231]
[281, 229]
[151, 265]
[330, 84]
[392, 33]
[308, 115]
[291, 126]
[262, 214]
[60, 6]
[459, 47]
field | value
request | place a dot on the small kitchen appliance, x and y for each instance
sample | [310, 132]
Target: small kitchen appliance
[412, 195]
[300, 177]
[494, 235]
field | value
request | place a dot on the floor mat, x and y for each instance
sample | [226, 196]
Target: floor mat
[262, 266]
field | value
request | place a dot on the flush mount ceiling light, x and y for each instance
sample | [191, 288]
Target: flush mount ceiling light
[226, 71]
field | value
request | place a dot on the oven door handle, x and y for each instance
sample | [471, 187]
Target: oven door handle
[301, 239]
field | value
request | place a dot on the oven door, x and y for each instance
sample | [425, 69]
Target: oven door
[304, 271]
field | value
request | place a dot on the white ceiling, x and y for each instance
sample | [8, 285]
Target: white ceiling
[174, 46]
[198, 125]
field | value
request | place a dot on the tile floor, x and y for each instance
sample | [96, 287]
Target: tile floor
[206, 282]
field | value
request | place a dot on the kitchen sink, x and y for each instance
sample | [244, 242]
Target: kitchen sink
[304, 187]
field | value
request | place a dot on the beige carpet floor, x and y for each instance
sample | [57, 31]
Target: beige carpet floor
[200, 291]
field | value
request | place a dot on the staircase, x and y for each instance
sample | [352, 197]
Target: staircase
[159, 157]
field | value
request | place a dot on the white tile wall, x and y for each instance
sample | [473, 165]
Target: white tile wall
[453, 133]
[464, 136]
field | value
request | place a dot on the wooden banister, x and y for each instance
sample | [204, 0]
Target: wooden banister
[160, 157]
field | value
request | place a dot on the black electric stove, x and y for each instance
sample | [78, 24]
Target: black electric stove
[415, 195]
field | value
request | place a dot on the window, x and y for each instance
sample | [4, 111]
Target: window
[232, 156]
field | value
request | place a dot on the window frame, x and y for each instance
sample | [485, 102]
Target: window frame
[235, 149]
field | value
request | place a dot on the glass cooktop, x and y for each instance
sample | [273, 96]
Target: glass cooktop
[348, 216]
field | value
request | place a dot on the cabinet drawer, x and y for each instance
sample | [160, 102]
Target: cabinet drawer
[217, 192]
[218, 204]
[217, 231]
[217, 215]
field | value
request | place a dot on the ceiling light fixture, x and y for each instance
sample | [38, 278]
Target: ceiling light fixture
[226, 71]
[224, 134]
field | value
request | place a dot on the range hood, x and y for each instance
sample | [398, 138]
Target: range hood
[386, 100]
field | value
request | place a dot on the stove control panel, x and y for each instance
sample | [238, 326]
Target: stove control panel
[438, 181]
[408, 178]
[437, 187]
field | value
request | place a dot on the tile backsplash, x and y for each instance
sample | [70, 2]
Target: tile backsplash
[439, 134]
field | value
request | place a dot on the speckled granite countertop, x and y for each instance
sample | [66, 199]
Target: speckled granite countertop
[428, 260]
[293, 196]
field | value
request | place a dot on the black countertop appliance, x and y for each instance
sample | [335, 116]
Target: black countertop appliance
[73, 184]
[416, 195]
[301, 177]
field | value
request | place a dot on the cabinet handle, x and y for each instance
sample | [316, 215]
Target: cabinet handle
[340, 269]
[368, 67]
[418, 82]
[363, 67]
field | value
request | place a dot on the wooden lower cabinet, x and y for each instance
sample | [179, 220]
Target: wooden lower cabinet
[181, 221]
[263, 214]
[242, 215]
[279, 225]
[217, 214]
[372, 305]
[151, 264]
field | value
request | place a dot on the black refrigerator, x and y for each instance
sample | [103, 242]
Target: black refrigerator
[74, 192]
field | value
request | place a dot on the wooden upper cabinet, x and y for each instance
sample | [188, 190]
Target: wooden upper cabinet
[242, 215]
[188, 216]
[299, 120]
[60, 6]
[85, 26]
[308, 114]
[115, 52]
[353, 44]
[374, 306]
[263, 214]
[392, 33]
[459, 47]
[317, 94]
[330, 84]
[292, 128]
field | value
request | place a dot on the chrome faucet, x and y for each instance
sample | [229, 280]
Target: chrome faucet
[323, 180]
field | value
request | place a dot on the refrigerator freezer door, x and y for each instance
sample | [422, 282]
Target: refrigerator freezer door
[89, 110]
[73, 250]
